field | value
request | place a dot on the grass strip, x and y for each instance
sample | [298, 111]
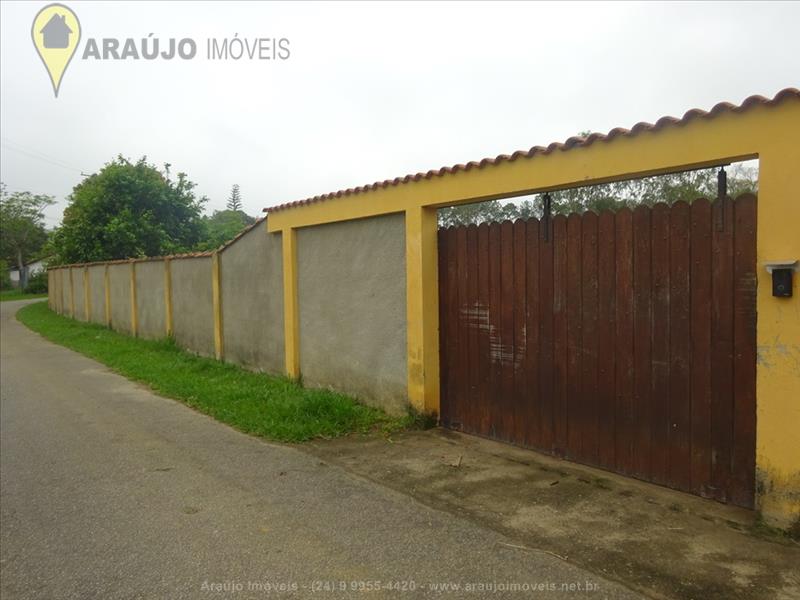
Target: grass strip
[268, 406]
[8, 295]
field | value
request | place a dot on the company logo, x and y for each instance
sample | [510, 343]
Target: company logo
[56, 33]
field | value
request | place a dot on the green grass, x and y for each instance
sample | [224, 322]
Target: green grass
[271, 407]
[8, 295]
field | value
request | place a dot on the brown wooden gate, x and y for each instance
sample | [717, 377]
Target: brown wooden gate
[625, 341]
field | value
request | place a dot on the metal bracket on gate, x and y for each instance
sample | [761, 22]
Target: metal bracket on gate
[722, 193]
[546, 216]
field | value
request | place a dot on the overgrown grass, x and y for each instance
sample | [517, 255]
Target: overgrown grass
[8, 295]
[272, 407]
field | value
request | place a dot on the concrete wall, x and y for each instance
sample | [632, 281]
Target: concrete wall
[192, 305]
[352, 308]
[150, 305]
[97, 294]
[80, 306]
[251, 281]
[119, 280]
[66, 291]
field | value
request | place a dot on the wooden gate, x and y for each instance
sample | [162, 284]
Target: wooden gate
[625, 341]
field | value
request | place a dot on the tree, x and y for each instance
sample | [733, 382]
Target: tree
[668, 188]
[129, 209]
[235, 200]
[22, 232]
[223, 226]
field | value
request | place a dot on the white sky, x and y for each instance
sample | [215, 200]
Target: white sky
[371, 91]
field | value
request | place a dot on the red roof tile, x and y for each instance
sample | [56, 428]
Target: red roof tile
[575, 141]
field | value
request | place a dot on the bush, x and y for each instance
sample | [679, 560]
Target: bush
[5, 276]
[37, 284]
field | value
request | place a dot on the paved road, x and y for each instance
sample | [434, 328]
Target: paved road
[109, 491]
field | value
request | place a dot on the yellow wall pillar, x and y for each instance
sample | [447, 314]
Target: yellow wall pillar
[422, 295]
[778, 336]
[168, 296]
[134, 311]
[291, 323]
[216, 299]
[87, 300]
[107, 295]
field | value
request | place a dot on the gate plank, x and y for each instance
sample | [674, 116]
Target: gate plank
[660, 421]
[532, 320]
[470, 305]
[505, 345]
[641, 344]
[701, 347]
[744, 361]
[679, 381]
[520, 349]
[462, 402]
[486, 391]
[549, 381]
[722, 350]
[624, 342]
[558, 250]
[606, 351]
[588, 391]
[574, 429]
[495, 326]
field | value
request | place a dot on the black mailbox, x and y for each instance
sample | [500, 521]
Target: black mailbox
[782, 273]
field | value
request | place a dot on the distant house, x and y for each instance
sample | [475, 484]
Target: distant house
[32, 268]
[56, 32]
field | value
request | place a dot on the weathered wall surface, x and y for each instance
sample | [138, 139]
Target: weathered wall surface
[251, 278]
[65, 291]
[192, 308]
[119, 280]
[97, 294]
[150, 305]
[352, 306]
[77, 282]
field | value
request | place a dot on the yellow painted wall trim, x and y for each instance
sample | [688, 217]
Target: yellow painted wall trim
[87, 299]
[168, 296]
[71, 294]
[291, 324]
[727, 137]
[422, 295]
[107, 294]
[134, 309]
[216, 291]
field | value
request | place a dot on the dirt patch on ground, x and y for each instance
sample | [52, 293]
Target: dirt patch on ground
[663, 543]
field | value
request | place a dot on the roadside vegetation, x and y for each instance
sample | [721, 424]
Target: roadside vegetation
[271, 407]
[8, 295]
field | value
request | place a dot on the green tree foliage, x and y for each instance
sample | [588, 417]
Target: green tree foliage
[669, 188]
[129, 209]
[22, 232]
[235, 199]
[222, 226]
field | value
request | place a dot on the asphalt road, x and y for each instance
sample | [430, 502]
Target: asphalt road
[109, 491]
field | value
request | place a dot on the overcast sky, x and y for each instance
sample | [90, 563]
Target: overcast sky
[370, 91]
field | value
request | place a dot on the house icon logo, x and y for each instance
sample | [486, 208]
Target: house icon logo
[56, 33]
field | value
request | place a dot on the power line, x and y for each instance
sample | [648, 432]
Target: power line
[10, 145]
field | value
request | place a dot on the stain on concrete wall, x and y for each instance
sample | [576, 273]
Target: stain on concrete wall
[352, 305]
[97, 294]
[119, 280]
[77, 281]
[150, 305]
[251, 277]
[192, 311]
